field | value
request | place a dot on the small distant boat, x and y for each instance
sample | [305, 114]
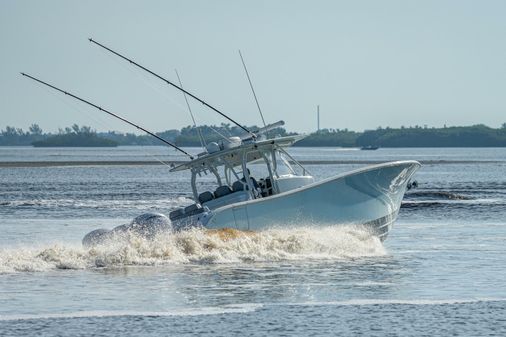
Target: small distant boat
[369, 147]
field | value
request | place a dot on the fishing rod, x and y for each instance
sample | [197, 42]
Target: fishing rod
[174, 85]
[110, 113]
[202, 142]
[251, 86]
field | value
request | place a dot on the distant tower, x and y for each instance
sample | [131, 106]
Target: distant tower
[318, 117]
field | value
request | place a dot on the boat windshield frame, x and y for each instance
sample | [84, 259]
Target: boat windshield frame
[268, 151]
[216, 158]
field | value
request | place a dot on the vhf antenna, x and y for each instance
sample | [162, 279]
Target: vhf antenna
[251, 86]
[202, 142]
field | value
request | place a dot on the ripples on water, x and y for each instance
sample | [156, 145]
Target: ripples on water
[441, 270]
[399, 318]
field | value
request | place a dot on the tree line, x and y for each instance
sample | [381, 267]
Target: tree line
[457, 136]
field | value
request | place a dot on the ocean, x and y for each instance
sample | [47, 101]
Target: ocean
[441, 271]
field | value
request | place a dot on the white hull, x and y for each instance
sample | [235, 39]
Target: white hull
[370, 196]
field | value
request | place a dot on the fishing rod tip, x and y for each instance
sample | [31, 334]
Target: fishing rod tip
[90, 39]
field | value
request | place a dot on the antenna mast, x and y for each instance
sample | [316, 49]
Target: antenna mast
[318, 117]
[251, 86]
[202, 142]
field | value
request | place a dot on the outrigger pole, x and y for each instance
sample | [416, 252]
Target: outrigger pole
[110, 113]
[172, 84]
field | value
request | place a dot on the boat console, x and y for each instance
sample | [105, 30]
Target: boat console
[229, 163]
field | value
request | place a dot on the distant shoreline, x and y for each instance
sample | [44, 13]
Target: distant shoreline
[294, 145]
[21, 164]
[478, 135]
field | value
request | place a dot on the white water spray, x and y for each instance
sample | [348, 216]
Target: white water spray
[199, 246]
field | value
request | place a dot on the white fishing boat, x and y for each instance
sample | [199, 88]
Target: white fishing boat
[259, 185]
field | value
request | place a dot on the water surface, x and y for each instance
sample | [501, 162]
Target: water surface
[440, 272]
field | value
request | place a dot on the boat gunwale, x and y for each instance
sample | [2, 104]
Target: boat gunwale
[318, 183]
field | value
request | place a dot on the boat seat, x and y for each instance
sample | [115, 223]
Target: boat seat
[191, 208]
[206, 196]
[268, 186]
[238, 186]
[228, 199]
[222, 191]
[185, 212]
[176, 213]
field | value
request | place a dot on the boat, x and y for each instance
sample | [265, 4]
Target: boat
[369, 147]
[252, 183]
[257, 184]
[249, 184]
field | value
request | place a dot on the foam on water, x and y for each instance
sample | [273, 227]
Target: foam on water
[228, 309]
[241, 308]
[199, 246]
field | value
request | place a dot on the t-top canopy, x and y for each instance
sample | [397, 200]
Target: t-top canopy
[234, 156]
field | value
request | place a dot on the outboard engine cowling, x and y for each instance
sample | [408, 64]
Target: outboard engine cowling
[96, 237]
[147, 225]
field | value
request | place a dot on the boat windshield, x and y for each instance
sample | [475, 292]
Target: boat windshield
[282, 165]
[261, 165]
[285, 164]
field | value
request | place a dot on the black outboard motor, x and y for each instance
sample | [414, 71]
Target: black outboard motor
[147, 225]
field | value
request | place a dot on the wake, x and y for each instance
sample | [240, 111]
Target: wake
[201, 246]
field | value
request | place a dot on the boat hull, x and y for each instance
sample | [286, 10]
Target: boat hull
[370, 197]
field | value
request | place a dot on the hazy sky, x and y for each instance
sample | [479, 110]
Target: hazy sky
[367, 63]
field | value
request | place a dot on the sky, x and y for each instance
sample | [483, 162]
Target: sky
[366, 63]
